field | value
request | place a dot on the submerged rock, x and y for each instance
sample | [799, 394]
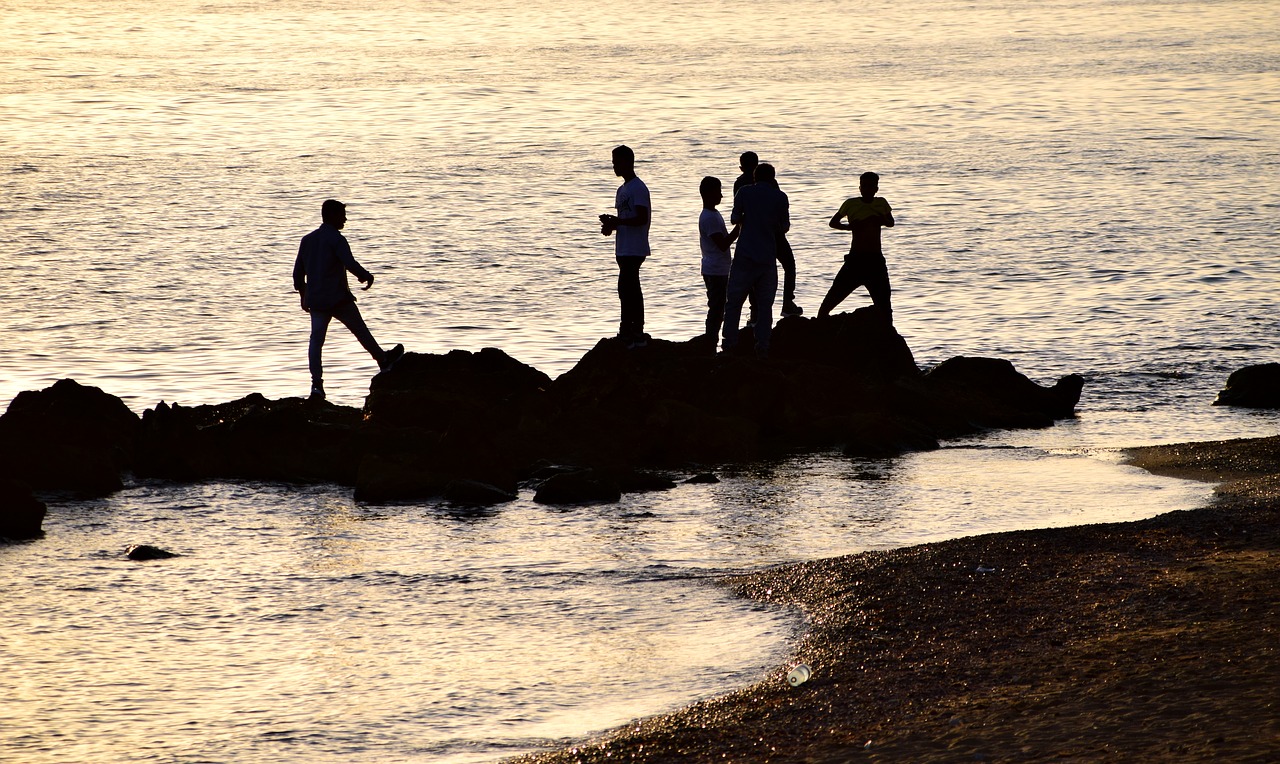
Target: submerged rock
[582, 487]
[21, 513]
[1255, 387]
[702, 478]
[68, 437]
[473, 493]
[148, 552]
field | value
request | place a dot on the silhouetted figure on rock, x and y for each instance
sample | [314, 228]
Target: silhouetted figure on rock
[864, 216]
[631, 245]
[714, 241]
[748, 163]
[763, 211]
[320, 277]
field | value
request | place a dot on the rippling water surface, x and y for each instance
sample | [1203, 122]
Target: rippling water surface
[1079, 186]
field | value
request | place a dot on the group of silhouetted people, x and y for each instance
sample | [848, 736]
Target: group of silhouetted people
[760, 218]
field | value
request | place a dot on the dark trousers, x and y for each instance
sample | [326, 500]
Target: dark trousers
[631, 297]
[787, 259]
[868, 271]
[349, 315]
[717, 290]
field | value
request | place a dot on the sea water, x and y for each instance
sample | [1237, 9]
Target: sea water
[1080, 187]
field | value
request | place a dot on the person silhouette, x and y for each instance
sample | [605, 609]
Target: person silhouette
[320, 278]
[714, 241]
[763, 211]
[747, 163]
[866, 214]
[631, 245]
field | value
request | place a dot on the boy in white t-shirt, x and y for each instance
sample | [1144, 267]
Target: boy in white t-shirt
[714, 240]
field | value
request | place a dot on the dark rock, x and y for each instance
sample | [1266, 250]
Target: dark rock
[253, 438]
[1255, 387]
[878, 436]
[148, 552]
[433, 419]
[486, 390]
[702, 477]
[582, 487]
[21, 513]
[864, 341]
[637, 481]
[989, 392]
[473, 493]
[68, 437]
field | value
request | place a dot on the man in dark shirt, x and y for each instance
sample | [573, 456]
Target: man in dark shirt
[320, 277]
[763, 210]
[748, 163]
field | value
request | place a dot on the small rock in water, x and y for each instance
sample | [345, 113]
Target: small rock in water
[704, 477]
[148, 552]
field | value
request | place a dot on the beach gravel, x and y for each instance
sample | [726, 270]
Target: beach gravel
[1144, 641]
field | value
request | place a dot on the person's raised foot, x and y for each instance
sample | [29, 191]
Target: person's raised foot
[791, 309]
[390, 357]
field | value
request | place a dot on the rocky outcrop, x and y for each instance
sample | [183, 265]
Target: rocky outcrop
[846, 381]
[252, 438]
[21, 513]
[471, 426]
[68, 437]
[1256, 387]
[435, 419]
[990, 393]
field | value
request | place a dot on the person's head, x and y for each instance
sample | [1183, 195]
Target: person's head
[748, 161]
[624, 162]
[765, 173]
[334, 213]
[869, 184]
[711, 191]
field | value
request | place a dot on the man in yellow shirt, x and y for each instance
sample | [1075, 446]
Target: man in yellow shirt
[863, 216]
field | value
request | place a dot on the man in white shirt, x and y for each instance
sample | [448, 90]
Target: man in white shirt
[631, 245]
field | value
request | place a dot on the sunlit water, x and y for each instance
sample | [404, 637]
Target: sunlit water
[1079, 186]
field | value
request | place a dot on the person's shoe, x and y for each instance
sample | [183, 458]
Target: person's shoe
[390, 357]
[317, 392]
[791, 309]
[638, 341]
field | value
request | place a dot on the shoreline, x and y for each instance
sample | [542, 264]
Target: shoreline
[1151, 640]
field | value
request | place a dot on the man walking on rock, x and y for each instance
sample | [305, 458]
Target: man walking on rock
[320, 277]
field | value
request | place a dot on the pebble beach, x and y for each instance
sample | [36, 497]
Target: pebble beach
[1143, 641]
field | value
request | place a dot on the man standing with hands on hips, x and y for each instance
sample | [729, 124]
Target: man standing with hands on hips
[631, 244]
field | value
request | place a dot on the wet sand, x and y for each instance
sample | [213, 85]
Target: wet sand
[1145, 641]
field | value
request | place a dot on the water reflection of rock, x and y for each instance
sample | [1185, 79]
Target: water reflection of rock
[473, 426]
